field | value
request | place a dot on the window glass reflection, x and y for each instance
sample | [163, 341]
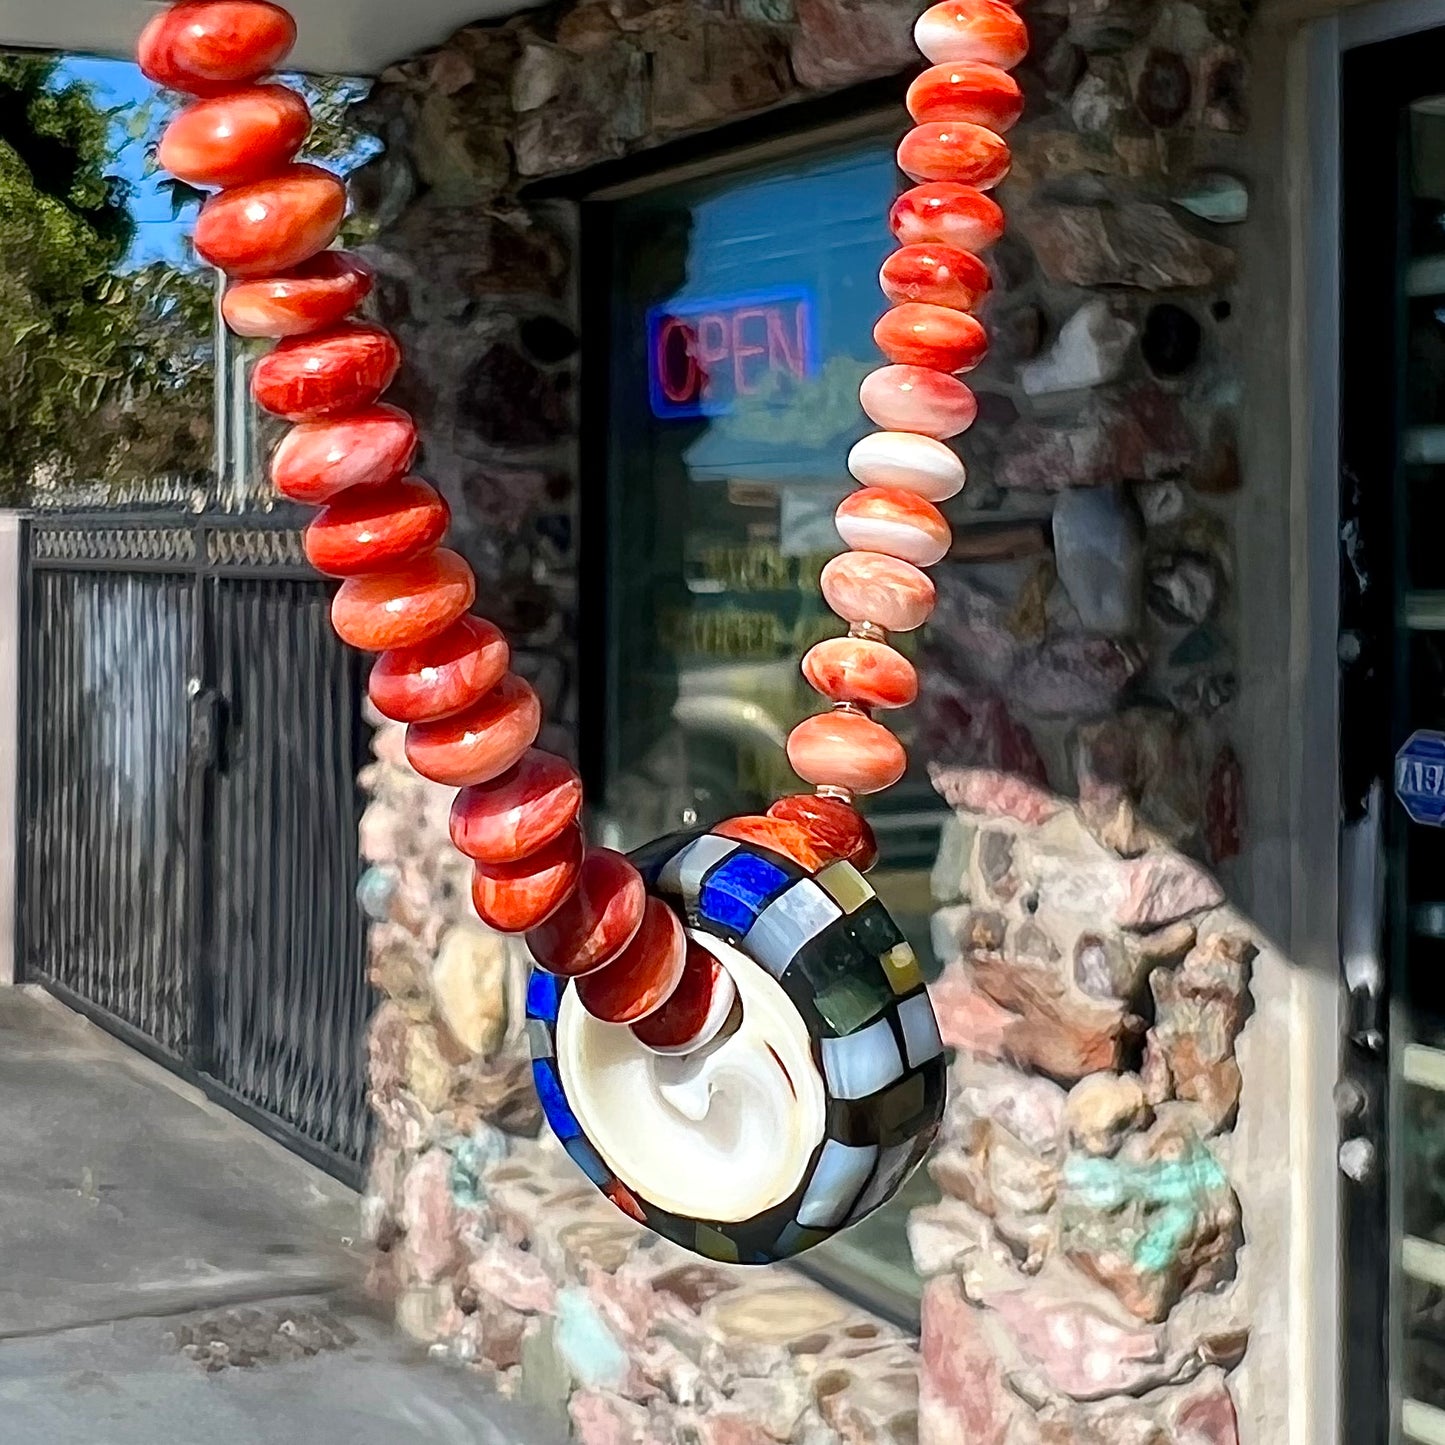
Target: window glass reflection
[741, 318]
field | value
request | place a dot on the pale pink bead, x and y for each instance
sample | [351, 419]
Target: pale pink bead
[905, 459]
[897, 523]
[846, 750]
[954, 150]
[943, 211]
[873, 587]
[913, 398]
[861, 670]
[986, 30]
[938, 275]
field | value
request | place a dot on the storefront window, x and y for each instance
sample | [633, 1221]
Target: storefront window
[739, 326]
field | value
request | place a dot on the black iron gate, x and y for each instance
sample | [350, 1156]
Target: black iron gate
[191, 732]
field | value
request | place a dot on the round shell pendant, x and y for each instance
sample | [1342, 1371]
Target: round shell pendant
[801, 1116]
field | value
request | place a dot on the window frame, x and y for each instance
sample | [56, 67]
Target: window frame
[873, 112]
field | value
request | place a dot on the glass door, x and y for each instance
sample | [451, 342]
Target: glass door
[1392, 700]
[731, 324]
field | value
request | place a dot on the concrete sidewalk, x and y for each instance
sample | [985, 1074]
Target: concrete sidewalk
[136, 1219]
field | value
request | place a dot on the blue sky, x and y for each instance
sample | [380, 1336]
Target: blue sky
[119, 83]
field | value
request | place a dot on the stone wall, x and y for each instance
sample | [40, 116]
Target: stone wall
[1088, 1279]
[1088, 1246]
[1114, 1206]
[500, 1255]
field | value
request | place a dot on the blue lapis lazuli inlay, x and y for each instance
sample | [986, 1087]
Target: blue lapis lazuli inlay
[544, 996]
[554, 1101]
[589, 1161]
[735, 892]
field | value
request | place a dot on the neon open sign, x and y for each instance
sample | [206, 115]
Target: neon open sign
[703, 357]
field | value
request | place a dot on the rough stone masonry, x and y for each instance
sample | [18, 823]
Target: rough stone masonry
[1095, 1264]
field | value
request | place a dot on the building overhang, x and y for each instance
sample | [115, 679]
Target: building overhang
[344, 37]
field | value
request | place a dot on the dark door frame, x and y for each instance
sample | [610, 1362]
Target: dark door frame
[1378, 82]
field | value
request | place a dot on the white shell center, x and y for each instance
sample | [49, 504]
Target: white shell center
[722, 1134]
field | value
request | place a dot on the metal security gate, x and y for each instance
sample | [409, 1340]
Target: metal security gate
[191, 732]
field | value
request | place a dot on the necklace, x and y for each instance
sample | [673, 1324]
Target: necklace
[729, 1034]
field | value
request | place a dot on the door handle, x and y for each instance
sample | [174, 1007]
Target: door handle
[1362, 912]
[1359, 1091]
[204, 737]
[1358, 1159]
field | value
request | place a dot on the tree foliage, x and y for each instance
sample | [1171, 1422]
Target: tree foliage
[105, 374]
[107, 369]
[336, 140]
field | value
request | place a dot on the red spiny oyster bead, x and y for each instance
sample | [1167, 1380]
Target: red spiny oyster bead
[271, 225]
[597, 922]
[310, 378]
[919, 399]
[317, 293]
[967, 90]
[873, 587]
[644, 975]
[906, 459]
[986, 30]
[697, 1010]
[520, 811]
[231, 139]
[897, 523]
[917, 334]
[781, 836]
[513, 897]
[442, 675]
[316, 460]
[838, 829]
[943, 213]
[862, 671]
[954, 150]
[402, 608]
[204, 47]
[936, 274]
[373, 529]
[846, 750]
[482, 741]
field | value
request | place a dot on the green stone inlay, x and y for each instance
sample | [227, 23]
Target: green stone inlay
[853, 1001]
[712, 1244]
[900, 966]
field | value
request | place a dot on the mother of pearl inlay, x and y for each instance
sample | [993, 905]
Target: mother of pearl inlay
[722, 1134]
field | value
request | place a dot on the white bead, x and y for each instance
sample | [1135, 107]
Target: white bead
[894, 537]
[918, 464]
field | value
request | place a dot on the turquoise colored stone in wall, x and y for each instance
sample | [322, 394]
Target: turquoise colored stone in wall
[374, 891]
[471, 1158]
[1153, 1224]
[588, 1347]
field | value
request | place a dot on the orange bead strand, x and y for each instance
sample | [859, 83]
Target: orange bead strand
[955, 153]
[471, 723]
[442, 672]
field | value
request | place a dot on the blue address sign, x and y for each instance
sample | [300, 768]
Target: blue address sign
[1420, 777]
